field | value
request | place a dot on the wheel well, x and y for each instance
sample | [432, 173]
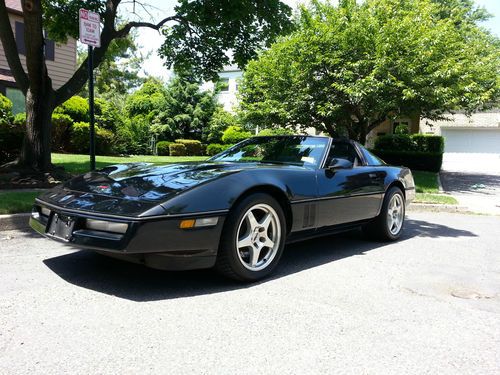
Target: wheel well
[277, 194]
[398, 184]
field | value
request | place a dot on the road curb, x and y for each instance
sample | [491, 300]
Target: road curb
[14, 221]
[431, 207]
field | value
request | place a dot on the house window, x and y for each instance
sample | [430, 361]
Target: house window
[397, 123]
[21, 46]
[224, 84]
[17, 98]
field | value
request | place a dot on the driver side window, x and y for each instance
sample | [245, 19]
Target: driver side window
[343, 150]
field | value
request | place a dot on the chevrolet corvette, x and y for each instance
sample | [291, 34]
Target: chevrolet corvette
[234, 211]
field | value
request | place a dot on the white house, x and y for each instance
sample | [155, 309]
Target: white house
[227, 97]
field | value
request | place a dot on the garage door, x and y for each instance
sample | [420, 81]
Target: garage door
[471, 150]
[481, 141]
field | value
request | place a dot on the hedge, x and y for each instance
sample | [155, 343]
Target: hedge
[215, 148]
[193, 147]
[11, 141]
[414, 142]
[61, 131]
[235, 134]
[162, 148]
[424, 161]
[79, 142]
[177, 149]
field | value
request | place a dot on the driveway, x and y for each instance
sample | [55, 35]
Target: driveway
[476, 186]
[429, 303]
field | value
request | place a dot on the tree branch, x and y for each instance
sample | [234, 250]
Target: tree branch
[10, 48]
[109, 33]
[156, 26]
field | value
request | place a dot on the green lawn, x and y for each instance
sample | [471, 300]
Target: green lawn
[427, 189]
[12, 202]
[76, 164]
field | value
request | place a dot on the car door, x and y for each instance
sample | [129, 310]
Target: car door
[348, 194]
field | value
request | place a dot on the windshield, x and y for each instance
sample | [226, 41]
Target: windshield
[295, 150]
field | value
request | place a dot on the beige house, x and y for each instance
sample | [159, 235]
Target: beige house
[61, 58]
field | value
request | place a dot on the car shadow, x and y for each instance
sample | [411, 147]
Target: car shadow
[96, 272]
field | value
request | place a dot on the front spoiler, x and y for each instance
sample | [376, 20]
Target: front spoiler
[157, 243]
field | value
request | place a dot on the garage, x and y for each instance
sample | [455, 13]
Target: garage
[481, 141]
[473, 150]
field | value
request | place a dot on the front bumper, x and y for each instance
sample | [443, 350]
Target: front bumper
[157, 243]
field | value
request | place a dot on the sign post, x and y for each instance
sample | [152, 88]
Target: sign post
[90, 34]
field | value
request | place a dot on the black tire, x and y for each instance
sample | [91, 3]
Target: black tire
[229, 259]
[379, 228]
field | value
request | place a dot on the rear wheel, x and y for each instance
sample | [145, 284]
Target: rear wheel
[253, 239]
[388, 225]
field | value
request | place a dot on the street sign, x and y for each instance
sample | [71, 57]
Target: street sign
[90, 34]
[90, 31]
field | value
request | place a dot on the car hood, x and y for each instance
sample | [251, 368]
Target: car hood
[136, 189]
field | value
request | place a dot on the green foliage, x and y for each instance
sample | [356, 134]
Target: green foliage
[275, 131]
[215, 148]
[209, 28]
[402, 129]
[162, 148]
[6, 116]
[11, 139]
[75, 107]
[349, 67]
[61, 131]
[414, 142]
[177, 149]
[423, 161]
[79, 142]
[193, 147]
[20, 119]
[107, 115]
[235, 134]
[186, 112]
[220, 121]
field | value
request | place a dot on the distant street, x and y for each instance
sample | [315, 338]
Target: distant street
[429, 303]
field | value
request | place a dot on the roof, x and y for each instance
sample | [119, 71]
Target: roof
[14, 5]
[483, 119]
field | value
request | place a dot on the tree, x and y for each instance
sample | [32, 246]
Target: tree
[197, 35]
[187, 110]
[119, 70]
[348, 68]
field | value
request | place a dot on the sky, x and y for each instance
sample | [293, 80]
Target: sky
[150, 40]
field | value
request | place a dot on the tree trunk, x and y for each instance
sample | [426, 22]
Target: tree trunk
[35, 153]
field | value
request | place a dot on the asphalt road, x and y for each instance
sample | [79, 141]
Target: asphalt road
[429, 303]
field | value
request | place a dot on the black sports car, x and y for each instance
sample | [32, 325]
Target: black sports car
[234, 211]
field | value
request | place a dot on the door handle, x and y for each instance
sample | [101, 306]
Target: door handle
[372, 175]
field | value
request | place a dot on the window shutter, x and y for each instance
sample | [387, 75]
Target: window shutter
[49, 49]
[21, 47]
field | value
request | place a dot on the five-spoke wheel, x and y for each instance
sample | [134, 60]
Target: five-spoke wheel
[253, 238]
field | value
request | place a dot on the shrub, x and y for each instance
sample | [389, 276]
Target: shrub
[275, 131]
[75, 107]
[424, 161]
[193, 147]
[80, 140]
[162, 148]
[107, 115]
[177, 149]
[5, 110]
[402, 129]
[20, 119]
[235, 134]
[11, 141]
[220, 121]
[414, 142]
[61, 131]
[215, 148]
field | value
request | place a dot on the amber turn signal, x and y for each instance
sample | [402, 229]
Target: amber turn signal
[186, 224]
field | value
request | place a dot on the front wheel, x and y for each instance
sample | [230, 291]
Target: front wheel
[388, 225]
[253, 239]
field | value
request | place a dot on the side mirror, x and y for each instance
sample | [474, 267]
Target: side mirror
[340, 164]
